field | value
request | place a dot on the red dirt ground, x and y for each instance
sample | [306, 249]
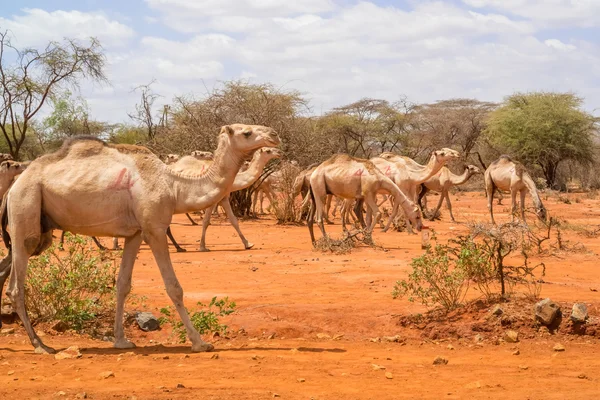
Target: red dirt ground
[284, 287]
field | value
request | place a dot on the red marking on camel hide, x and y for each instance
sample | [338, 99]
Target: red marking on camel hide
[359, 172]
[123, 181]
[388, 170]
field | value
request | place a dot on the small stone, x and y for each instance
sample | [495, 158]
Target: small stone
[215, 356]
[478, 338]
[516, 352]
[375, 340]
[579, 313]
[377, 367]
[546, 311]
[511, 336]
[165, 357]
[389, 375]
[70, 353]
[107, 374]
[393, 339]
[180, 386]
[440, 361]
[582, 376]
[7, 331]
[81, 395]
[544, 330]
[450, 347]
[271, 336]
[338, 336]
[61, 393]
[276, 395]
[323, 336]
[558, 347]
[524, 367]
[11, 372]
[497, 310]
[301, 380]
[59, 326]
[473, 385]
[147, 321]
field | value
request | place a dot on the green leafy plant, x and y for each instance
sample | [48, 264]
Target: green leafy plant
[74, 286]
[205, 321]
[434, 280]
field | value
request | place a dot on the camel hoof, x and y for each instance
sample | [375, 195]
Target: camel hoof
[202, 347]
[384, 230]
[181, 250]
[43, 349]
[124, 344]
[204, 249]
[249, 246]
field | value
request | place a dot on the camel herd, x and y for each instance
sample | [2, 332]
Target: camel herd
[93, 188]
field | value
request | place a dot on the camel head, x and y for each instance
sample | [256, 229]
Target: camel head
[202, 155]
[388, 156]
[5, 157]
[171, 158]
[12, 167]
[416, 218]
[541, 213]
[247, 138]
[268, 153]
[473, 170]
[444, 155]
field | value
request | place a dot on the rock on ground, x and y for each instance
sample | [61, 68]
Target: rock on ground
[147, 322]
[440, 361]
[546, 311]
[579, 313]
[511, 336]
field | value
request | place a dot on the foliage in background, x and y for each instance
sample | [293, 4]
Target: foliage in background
[205, 321]
[75, 286]
[544, 129]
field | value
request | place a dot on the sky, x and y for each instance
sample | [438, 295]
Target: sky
[333, 51]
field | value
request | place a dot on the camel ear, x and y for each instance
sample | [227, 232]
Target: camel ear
[227, 129]
[4, 165]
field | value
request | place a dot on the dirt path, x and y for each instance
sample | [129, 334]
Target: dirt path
[283, 287]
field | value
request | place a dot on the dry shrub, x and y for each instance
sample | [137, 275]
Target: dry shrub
[346, 243]
[285, 205]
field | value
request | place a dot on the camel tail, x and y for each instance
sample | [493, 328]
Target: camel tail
[4, 218]
[307, 198]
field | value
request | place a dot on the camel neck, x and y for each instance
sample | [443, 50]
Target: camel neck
[423, 172]
[535, 197]
[249, 176]
[460, 179]
[197, 191]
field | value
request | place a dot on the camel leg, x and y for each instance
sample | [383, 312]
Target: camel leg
[130, 250]
[270, 196]
[372, 205]
[160, 249]
[205, 224]
[489, 191]
[16, 290]
[310, 219]
[61, 244]
[513, 207]
[100, 245]
[262, 199]
[116, 243]
[234, 221]
[522, 192]
[5, 265]
[423, 198]
[328, 208]
[177, 246]
[449, 205]
[344, 215]
[254, 200]
[191, 219]
[439, 206]
[358, 211]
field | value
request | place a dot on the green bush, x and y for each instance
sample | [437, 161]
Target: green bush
[434, 280]
[205, 321]
[74, 286]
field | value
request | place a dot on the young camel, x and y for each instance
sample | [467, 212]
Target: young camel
[508, 175]
[441, 183]
[243, 180]
[355, 179]
[97, 189]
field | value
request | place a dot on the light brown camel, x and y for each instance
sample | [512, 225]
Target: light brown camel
[8, 171]
[301, 187]
[442, 182]
[97, 189]
[243, 179]
[356, 179]
[508, 175]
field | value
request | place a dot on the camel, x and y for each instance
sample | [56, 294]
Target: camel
[355, 179]
[265, 189]
[94, 188]
[508, 175]
[243, 179]
[189, 163]
[442, 182]
[301, 187]
[9, 170]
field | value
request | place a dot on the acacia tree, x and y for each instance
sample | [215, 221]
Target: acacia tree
[29, 77]
[544, 129]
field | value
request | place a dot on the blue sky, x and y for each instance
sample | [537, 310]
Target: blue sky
[333, 51]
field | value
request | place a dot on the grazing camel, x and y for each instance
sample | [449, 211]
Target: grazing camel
[409, 174]
[508, 175]
[355, 179]
[441, 183]
[243, 180]
[98, 189]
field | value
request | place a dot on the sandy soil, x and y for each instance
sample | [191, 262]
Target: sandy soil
[287, 294]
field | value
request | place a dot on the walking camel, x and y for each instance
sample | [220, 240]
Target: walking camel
[242, 180]
[442, 182]
[97, 189]
[353, 178]
[508, 175]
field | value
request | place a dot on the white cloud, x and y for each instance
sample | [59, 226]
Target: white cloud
[37, 27]
[550, 13]
[558, 45]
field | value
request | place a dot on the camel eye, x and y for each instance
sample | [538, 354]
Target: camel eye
[247, 133]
